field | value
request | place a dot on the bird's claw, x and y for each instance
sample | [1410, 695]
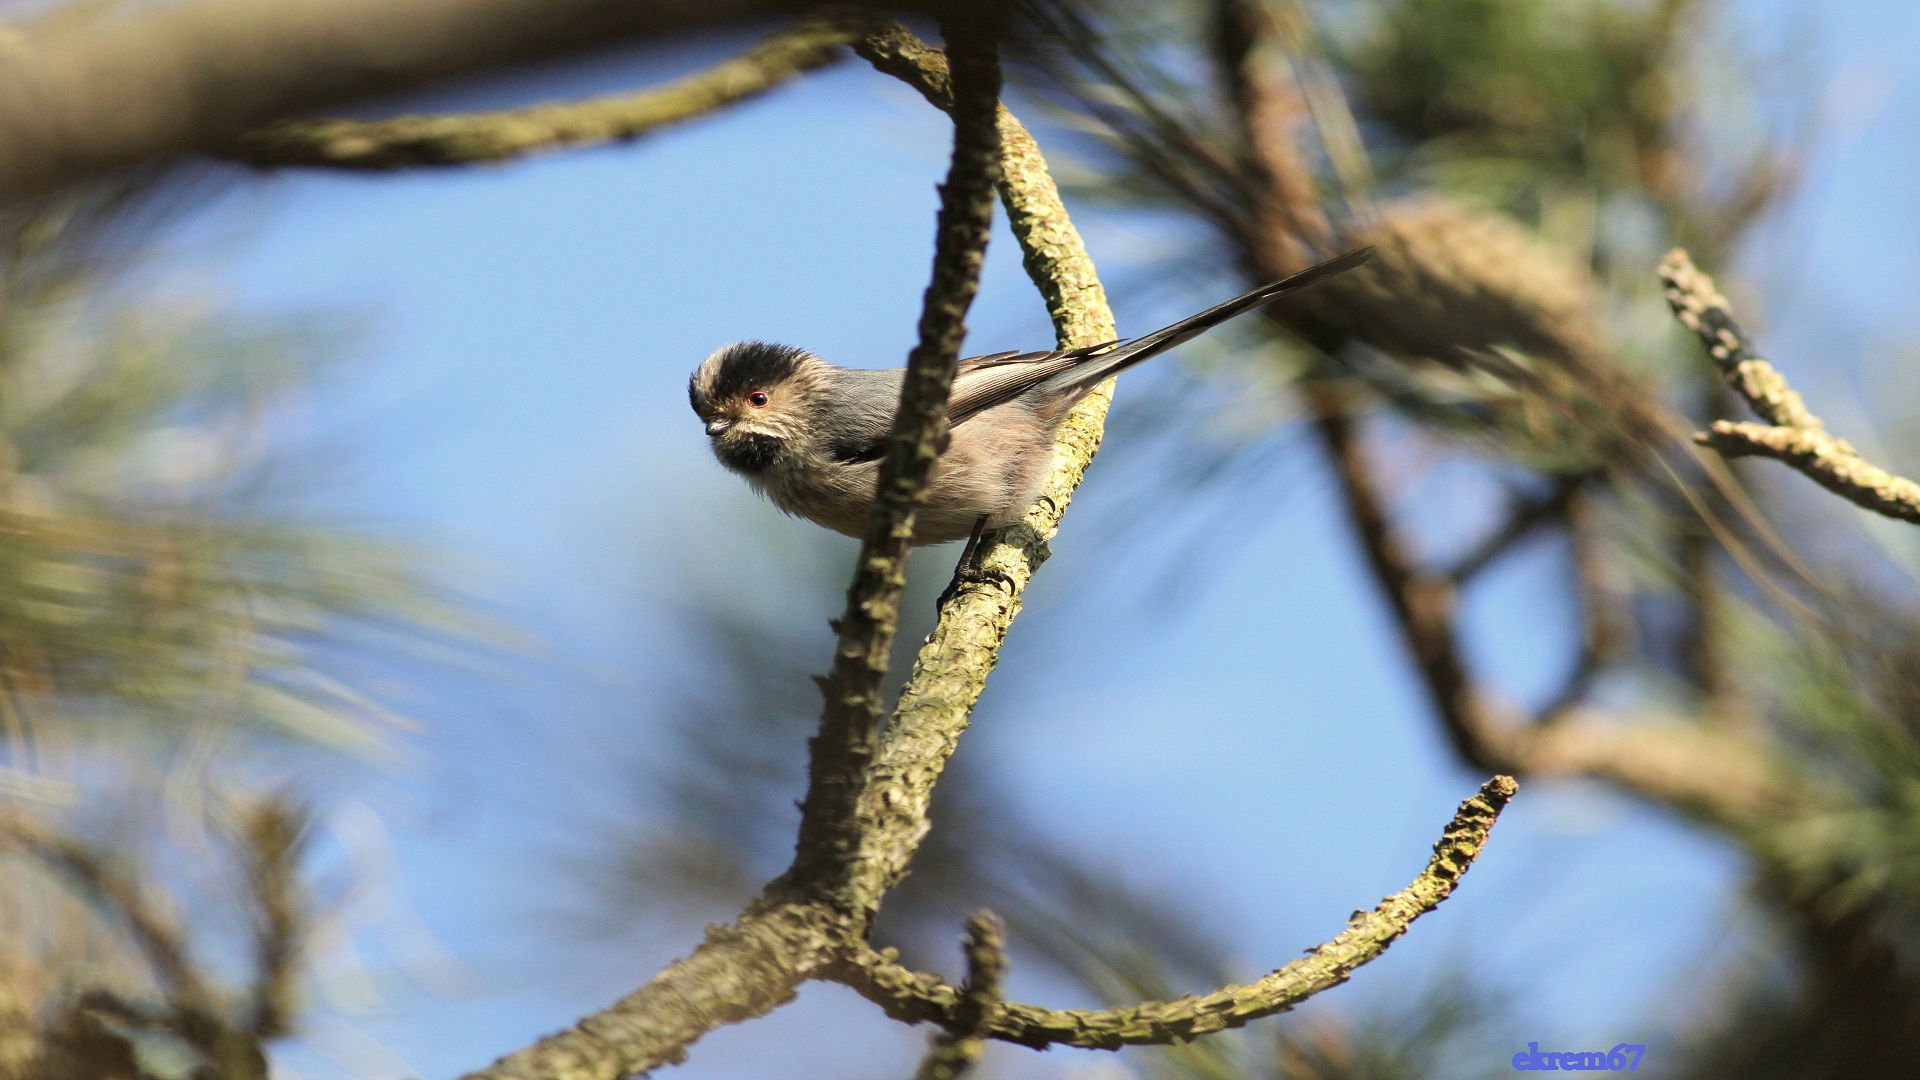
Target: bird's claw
[972, 575]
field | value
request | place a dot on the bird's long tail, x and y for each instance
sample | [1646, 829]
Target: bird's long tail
[1103, 366]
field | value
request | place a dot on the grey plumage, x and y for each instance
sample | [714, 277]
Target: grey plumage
[810, 435]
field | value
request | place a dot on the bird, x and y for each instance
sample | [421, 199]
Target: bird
[809, 435]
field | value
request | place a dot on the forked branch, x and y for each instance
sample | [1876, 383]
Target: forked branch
[814, 911]
[866, 809]
[829, 830]
[1792, 433]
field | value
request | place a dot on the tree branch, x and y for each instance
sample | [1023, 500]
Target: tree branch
[274, 836]
[953, 666]
[738, 972]
[1792, 433]
[956, 1049]
[102, 90]
[1524, 515]
[915, 997]
[1732, 781]
[829, 828]
[819, 907]
[1423, 603]
[435, 140]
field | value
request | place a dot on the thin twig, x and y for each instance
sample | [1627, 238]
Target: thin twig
[275, 837]
[435, 140]
[916, 997]
[1603, 627]
[1524, 515]
[1792, 433]
[955, 1050]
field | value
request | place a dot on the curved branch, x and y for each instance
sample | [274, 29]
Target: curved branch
[434, 140]
[915, 997]
[1792, 433]
[952, 668]
[830, 829]
[811, 913]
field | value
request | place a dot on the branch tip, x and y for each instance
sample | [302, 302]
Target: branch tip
[1792, 434]
[920, 997]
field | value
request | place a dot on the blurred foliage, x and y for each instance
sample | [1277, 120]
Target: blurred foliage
[169, 622]
[149, 575]
[109, 973]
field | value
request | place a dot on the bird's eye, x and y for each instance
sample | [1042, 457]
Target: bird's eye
[757, 399]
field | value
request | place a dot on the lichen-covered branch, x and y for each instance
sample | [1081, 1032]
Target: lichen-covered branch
[106, 87]
[740, 971]
[964, 647]
[955, 1050]
[1792, 433]
[830, 831]
[817, 909]
[435, 140]
[914, 996]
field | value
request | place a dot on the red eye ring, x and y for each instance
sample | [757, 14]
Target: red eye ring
[757, 399]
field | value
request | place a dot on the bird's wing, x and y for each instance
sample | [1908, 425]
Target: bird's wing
[979, 384]
[986, 381]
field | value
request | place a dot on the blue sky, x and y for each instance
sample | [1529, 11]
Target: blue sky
[515, 405]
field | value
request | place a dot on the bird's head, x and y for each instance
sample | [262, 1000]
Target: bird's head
[754, 398]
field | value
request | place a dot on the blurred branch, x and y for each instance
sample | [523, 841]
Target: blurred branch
[159, 941]
[1286, 204]
[1792, 433]
[275, 836]
[193, 1010]
[1423, 603]
[956, 1049]
[1733, 781]
[428, 140]
[822, 904]
[1524, 515]
[1602, 625]
[1501, 289]
[97, 91]
[917, 997]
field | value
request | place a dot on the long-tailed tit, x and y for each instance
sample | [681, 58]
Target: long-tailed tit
[810, 435]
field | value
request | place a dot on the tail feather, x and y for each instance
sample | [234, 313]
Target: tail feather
[1099, 368]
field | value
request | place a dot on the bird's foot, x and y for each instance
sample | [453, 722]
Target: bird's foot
[971, 575]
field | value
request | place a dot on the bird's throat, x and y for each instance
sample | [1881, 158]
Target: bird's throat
[748, 452]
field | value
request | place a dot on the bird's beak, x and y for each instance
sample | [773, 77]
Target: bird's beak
[715, 427]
